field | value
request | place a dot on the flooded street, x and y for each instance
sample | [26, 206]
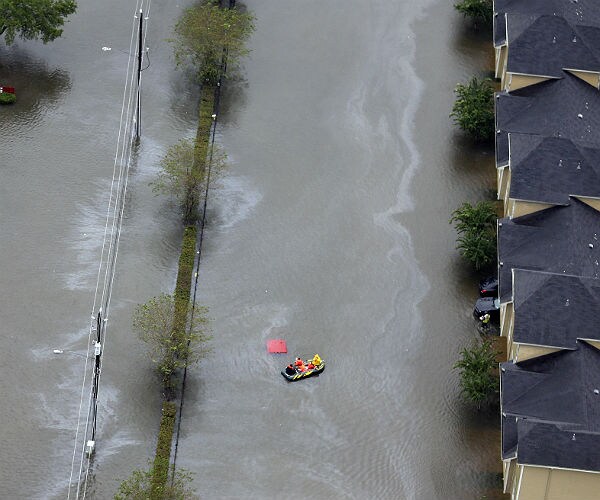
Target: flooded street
[329, 229]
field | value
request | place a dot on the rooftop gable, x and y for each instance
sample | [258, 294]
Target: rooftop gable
[544, 45]
[555, 310]
[575, 12]
[567, 107]
[549, 169]
[560, 239]
[547, 398]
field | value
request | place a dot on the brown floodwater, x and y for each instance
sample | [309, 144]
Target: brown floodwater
[329, 229]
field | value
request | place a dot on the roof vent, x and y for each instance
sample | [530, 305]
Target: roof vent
[579, 116]
[591, 245]
[500, 224]
[596, 391]
[567, 303]
[560, 162]
[573, 438]
[574, 38]
[578, 165]
[498, 131]
[554, 37]
[501, 263]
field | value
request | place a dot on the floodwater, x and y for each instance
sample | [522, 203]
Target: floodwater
[329, 229]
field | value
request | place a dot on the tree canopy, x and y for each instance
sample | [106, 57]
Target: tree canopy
[206, 32]
[139, 486]
[183, 172]
[476, 228]
[473, 110]
[175, 335]
[476, 368]
[478, 10]
[34, 19]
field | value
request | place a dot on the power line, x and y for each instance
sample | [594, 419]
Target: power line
[108, 259]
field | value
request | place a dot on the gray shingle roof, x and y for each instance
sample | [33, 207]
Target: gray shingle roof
[550, 412]
[566, 107]
[544, 45]
[584, 12]
[549, 169]
[556, 240]
[499, 30]
[554, 309]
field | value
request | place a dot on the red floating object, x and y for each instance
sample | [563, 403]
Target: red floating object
[276, 346]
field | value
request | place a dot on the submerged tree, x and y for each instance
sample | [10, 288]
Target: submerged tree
[183, 173]
[473, 110]
[478, 248]
[206, 32]
[474, 218]
[139, 486]
[34, 19]
[476, 368]
[476, 228]
[175, 334]
[478, 10]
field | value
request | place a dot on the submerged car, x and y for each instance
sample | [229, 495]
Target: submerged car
[487, 305]
[488, 287]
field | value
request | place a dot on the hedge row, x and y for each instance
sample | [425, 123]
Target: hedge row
[205, 121]
[186, 265]
[162, 458]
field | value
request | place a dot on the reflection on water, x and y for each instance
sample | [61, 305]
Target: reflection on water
[38, 88]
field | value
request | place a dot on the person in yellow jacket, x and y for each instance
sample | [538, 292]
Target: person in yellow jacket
[316, 360]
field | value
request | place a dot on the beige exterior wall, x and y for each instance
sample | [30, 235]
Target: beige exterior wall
[506, 320]
[516, 208]
[587, 76]
[511, 470]
[592, 202]
[521, 352]
[501, 61]
[503, 180]
[513, 81]
[540, 483]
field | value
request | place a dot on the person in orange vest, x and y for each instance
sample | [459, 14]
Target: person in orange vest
[299, 363]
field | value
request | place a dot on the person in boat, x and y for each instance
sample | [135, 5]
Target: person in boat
[310, 365]
[290, 370]
[299, 363]
[302, 368]
[316, 360]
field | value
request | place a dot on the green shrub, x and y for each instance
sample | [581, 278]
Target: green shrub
[473, 110]
[476, 228]
[7, 98]
[476, 366]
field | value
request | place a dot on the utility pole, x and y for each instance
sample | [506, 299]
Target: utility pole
[91, 443]
[138, 123]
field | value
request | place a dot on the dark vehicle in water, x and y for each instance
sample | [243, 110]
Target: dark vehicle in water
[488, 287]
[487, 305]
